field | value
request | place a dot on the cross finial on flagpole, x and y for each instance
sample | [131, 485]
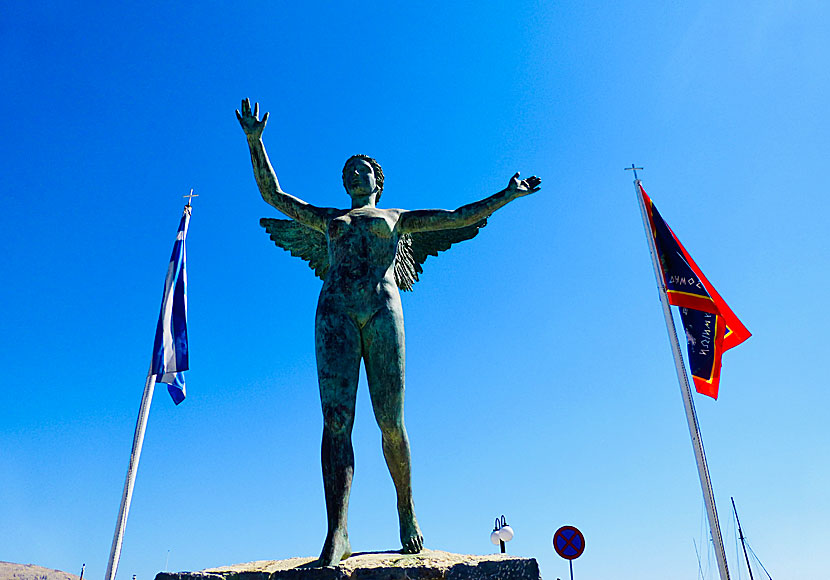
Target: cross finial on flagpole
[634, 169]
[191, 195]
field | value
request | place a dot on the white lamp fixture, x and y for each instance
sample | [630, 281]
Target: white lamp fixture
[501, 533]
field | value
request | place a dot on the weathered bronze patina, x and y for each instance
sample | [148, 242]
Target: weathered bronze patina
[364, 255]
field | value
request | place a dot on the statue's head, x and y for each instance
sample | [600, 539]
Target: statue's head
[361, 171]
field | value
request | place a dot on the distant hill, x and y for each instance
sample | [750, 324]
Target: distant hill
[9, 571]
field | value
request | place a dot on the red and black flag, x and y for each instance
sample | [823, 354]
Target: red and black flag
[711, 326]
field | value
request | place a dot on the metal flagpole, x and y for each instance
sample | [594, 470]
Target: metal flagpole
[686, 392]
[138, 441]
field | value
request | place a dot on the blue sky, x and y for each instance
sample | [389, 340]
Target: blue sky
[540, 382]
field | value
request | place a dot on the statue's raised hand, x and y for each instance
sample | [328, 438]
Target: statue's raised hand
[520, 187]
[250, 121]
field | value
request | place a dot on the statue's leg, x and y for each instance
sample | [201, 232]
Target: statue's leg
[338, 348]
[383, 352]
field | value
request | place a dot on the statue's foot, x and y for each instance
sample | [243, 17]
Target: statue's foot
[335, 549]
[412, 541]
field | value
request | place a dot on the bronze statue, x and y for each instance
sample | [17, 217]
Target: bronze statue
[364, 255]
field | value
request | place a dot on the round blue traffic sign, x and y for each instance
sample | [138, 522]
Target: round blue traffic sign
[569, 542]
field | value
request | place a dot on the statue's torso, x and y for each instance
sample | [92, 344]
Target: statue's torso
[362, 244]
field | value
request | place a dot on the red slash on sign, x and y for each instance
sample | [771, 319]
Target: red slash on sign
[569, 542]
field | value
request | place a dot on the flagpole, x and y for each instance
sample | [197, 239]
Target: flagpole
[126, 498]
[685, 391]
[143, 415]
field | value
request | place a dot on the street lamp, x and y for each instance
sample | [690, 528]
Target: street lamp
[501, 533]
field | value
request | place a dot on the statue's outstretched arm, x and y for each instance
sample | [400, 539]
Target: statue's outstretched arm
[439, 219]
[305, 213]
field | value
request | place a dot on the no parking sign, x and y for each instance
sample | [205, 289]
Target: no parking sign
[569, 543]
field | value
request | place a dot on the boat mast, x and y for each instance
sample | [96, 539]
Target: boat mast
[741, 535]
[699, 567]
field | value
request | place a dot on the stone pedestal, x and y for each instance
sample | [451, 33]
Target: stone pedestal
[428, 565]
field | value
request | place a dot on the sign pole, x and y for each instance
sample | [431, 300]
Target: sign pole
[686, 392]
[571, 564]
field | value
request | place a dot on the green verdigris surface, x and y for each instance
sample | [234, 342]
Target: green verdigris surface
[364, 255]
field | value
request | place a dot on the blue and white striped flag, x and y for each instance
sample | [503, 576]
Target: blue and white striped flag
[170, 354]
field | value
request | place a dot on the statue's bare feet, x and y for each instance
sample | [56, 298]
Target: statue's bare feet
[412, 541]
[335, 549]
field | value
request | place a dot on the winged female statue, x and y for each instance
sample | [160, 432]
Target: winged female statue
[364, 255]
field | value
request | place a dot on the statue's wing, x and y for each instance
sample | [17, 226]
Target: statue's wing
[415, 248]
[302, 241]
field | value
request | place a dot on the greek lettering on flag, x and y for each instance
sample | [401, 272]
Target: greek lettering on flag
[710, 325]
[170, 353]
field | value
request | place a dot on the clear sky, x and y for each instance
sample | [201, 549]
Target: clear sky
[540, 382]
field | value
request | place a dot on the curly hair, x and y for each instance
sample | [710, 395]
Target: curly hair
[375, 168]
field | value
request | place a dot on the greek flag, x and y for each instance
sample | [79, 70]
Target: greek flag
[170, 355]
